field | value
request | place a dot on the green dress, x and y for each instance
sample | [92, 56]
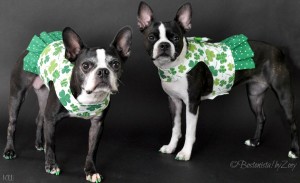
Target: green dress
[222, 59]
[46, 58]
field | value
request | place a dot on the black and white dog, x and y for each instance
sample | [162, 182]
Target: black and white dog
[95, 75]
[166, 44]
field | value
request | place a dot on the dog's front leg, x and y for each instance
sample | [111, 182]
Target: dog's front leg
[192, 110]
[94, 137]
[54, 113]
[175, 105]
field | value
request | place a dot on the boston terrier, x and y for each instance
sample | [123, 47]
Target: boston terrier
[87, 77]
[168, 46]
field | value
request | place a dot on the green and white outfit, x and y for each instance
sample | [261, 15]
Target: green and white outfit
[222, 59]
[46, 58]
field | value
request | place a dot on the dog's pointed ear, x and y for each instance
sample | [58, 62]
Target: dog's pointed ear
[122, 42]
[145, 16]
[73, 43]
[184, 16]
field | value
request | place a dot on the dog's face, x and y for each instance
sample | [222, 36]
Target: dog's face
[164, 41]
[96, 69]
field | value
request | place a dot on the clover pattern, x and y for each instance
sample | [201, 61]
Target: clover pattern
[222, 69]
[161, 74]
[64, 83]
[192, 63]
[64, 98]
[196, 56]
[222, 57]
[47, 58]
[74, 107]
[56, 74]
[66, 69]
[58, 50]
[172, 71]
[93, 107]
[53, 66]
[210, 55]
[216, 56]
[181, 68]
[188, 55]
[192, 47]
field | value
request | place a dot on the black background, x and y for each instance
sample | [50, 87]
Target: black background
[138, 123]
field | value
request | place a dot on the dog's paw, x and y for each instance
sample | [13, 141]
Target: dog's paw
[39, 147]
[183, 156]
[167, 149]
[252, 143]
[52, 169]
[292, 155]
[9, 154]
[96, 177]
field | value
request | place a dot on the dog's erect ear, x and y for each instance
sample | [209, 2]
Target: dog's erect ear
[122, 42]
[145, 15]
[184, 16]
[72, 42]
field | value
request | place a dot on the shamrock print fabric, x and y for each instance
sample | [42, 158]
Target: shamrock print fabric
[222, 59]
[52, 65]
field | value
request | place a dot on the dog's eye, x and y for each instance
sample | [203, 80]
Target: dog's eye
[85, 66]
[151, 38]
[176, 38]
[116, 65]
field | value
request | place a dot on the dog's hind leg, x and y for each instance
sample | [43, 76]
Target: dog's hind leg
[256, 93]
[42, 95]
[281, 85]
[19, 84]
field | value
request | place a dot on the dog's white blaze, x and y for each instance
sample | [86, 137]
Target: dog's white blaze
[101, 58]
[162, 38]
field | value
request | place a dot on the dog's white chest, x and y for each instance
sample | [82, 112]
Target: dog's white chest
[177, 89]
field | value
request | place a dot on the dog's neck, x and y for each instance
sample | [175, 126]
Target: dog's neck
[178, 60]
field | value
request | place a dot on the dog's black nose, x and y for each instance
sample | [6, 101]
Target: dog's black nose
[164, 46]
[103, 72]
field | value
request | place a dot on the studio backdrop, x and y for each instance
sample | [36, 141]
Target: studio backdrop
[138, 122]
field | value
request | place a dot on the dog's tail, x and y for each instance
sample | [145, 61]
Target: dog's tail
[290, 58]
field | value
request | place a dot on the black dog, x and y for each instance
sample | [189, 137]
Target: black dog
[167, 46]
[94, 75]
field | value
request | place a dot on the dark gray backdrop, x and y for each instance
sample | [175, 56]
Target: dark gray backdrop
[138, 122]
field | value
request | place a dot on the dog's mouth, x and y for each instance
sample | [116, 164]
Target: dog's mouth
[102, 87]
[166, 56]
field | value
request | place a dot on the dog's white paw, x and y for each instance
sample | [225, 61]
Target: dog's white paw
[167, 149]
[249, 143]
[96, 177]
[183, 156]
[292, 155]
[54, 170]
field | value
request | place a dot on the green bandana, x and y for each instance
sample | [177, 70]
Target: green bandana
[46, 58]
[222, 59]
